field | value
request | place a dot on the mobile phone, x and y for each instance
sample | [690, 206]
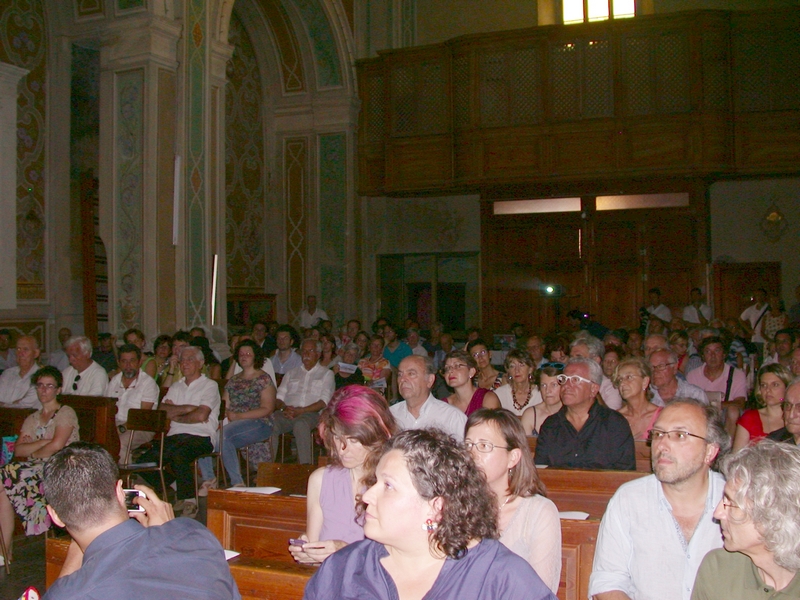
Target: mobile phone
[297, 542]
[130, 504]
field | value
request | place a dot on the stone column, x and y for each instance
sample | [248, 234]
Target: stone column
[139, 126]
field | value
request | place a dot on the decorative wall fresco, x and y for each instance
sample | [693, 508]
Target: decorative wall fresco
[244, 166]
[333, 224]
[295, 186]
[129, 198]
[196, 26]
[23, 42]
[292, 72]
[89, 8]
[329, 71]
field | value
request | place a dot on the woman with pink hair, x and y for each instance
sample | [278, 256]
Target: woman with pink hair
[354, 426]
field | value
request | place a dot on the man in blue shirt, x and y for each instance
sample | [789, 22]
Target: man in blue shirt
[112, 555]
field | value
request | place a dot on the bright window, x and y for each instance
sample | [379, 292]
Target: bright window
[581, 11]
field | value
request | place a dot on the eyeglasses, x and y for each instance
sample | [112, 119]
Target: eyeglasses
[728, 505]
[555, 365]
[483, 447]
[628, 378]
[480, 353]
[573, 379]
[791, 408]
[676, 435]
[47, 386]
[660, 368]
[75, 383]
[456, 367]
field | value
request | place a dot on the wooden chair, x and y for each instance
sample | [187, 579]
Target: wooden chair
[157, 422]
[283, 441]
[4, 553]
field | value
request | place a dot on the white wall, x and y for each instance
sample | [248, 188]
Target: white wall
[738, 208]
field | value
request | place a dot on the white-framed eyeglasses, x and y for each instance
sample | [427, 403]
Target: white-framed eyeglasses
[573, 379]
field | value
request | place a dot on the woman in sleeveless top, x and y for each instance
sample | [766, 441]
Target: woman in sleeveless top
[632, 378]
[354, 426]
[459, 370]
[755, 424]
[547, 381]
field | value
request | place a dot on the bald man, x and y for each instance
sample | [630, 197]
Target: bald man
[16, 390]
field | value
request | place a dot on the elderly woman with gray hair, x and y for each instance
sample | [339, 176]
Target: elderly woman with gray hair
[760, 519]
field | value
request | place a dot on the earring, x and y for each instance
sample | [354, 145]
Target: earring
[430, 525]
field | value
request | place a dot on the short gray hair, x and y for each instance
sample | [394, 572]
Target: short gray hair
[350, 346]
[768, 475]
[430, 369]
[593, 345]
[82, 341]
[317, 343]
[198, 353]
[595, 370]
[716, 433]
[673, 358]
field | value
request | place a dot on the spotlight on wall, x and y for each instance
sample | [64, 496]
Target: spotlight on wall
[551, 290]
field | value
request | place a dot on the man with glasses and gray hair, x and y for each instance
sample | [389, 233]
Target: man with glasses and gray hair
[790, 432]
[760, 520]
[584, 434]
[657, 529]
[83, 376]
[666, 385]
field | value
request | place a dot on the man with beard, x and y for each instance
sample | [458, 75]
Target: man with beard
[657, 529]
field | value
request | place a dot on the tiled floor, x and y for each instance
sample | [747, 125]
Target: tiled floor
[28, 566]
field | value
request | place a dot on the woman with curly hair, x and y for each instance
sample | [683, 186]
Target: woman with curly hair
[354, 426]
[432, 527]
[527, 521]
[755, 424]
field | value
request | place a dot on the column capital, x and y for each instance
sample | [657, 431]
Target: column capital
[221, 53]
[141, 39]
[11, 74]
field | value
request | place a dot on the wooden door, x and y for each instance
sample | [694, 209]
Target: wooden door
[734, 284]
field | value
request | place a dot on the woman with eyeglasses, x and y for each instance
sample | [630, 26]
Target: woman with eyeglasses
[459, 370]
[528, 522]
[755, 424]
[488, 377]
[632, 379]
[43, 433]
[546, 380]
[520, 392]
[431, 524]
[354, 426]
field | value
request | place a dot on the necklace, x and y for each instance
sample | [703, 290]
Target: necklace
[517, 405]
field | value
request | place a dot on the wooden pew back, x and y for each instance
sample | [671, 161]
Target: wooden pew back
[291, 478]
[11, 420]
[587, 491]
[643, 464]
[96, 418]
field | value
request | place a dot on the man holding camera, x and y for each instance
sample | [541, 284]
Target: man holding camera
[152, 555]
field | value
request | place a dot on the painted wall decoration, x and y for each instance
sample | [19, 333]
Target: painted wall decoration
[329, 70]
[244, 167]
[195, 171]
[333, 224]
[23, 42]
[89, 8]
[295, 191]
[129, 198]
[293, 74]
[130, 4]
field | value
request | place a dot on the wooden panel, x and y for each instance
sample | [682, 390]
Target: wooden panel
[584, 151]
[578, 540]
[512, 158]
[11, 420]
[735, 283]
[270, 580]
[643, 452]
[587, 491]
[96, 420]
[767, 141]
[617, 291]
[419, 163]
[290, 478]
[656, 145]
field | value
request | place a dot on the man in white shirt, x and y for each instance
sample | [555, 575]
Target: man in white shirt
[657, 309]
[58, 358]
[312, 315]
[303, 393]
[419, 409]
[414, 342]
[83, 377]
[665, 384]
[192, 405]
[592, 348]
[697, 313]
[133, 388]
[752, 319]
[657, 529]
[16, 390]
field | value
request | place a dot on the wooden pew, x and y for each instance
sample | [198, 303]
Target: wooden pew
[587, 491]
[256, 579]
[11, 420]
[291, 478]
[96, 419]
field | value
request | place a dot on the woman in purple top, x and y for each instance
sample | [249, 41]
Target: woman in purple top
[459, 370]
[432, 527]
[354, 425]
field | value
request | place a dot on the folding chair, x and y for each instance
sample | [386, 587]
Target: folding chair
[157, 422]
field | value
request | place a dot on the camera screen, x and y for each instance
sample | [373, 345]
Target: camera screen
[129, 503]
